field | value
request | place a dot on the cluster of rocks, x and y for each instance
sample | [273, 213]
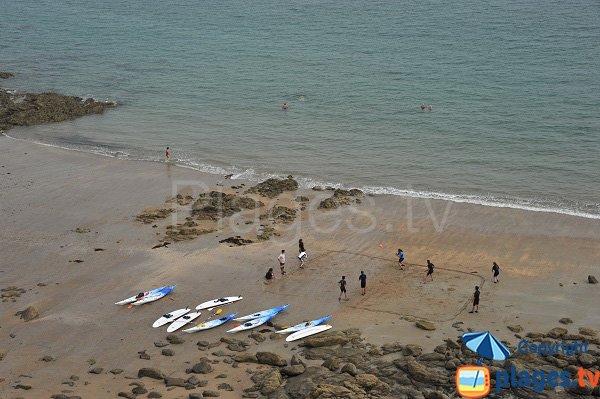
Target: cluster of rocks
[265, 232]
[216, 205]
[148, 216]
[26, 109]
[6, 75]
[11, 293]
[342, 198]
[186, 231]
[280, 214]
[182, 200]
[273, 187]
[237, 241]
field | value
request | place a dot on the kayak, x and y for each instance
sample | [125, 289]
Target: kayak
[210, 324]
[169, 317]
[307, 332]
[219, 302]
[251, 324]
[267, 312]
[304, 325]
[182, 321]
[154, 297]
[140, 295]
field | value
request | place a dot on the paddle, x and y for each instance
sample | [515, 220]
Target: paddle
[216, 312]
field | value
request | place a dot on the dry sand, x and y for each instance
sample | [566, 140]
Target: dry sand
[46, 193]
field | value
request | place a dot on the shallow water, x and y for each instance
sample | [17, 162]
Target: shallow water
[514, 89]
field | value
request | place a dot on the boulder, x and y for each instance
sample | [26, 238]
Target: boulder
[565, 320]
[412, 350]
[28, 314]
[210, 394]
[592, 279]
[272, 359]
[292, 371]
[202, 367]
[175, 382]
[327, 339]
[174, 339]
[245, 358]
[557, 332]
[349, 368]
[332, 364]
[151, 372]
[425, 325]
[515, 328]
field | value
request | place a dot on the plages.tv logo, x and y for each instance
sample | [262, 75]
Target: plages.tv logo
[473, 382]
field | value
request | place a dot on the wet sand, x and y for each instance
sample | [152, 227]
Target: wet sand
[47, 193]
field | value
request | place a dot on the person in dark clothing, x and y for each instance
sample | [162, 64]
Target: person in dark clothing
[400, 255]
[270, 274]
[363, 282]
[301, 246]
[430, 267]
[496, 270]
[475, 300]
[342, 284]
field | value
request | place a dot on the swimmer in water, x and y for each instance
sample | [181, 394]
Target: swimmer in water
[422, 106]
[284, 106]
[430, 108]
[301, 98]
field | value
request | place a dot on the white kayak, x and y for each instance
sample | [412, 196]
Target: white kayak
[169, 317]
[154, 297]
[219, 302]
[262, 313]
[251, 324]
[182, 321]
[307, 332]
[210, 324]
[139, 296]
[304, 325]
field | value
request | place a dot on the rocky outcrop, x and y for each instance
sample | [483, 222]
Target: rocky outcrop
[280, 214]
[272, 188]
[342, 198]
[6, 75]
[216, 205]
[27, 109]
[148, 216]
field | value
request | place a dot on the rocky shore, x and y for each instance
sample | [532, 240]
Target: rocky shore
[27, 109]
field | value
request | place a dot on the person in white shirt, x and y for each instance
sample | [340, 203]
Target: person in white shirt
[281, 259]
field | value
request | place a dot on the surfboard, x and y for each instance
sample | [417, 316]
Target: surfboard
[210, 324]
[307, 332]
[251, 324]
[154, 297]
[219, 302]
[304, 325]
[182, 321]
[169, 317]
[262, 313]
[137, 296]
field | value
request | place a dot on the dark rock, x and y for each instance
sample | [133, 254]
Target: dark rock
[160, 344]
[216, 205]
[587, 331]
[592, 279]
[565, 320]
[28, 314]
[202, 367]
[425, 325]
[292, 371]
[174, 339]
[245, 358]
[272, 188]
[271, 359]
[412, 350]
[349, 368]
[23, 386]
[332, 364]
[116, 371]
[47, 359]
[174, 382]
[326, 339]
[557, 332]
[257, 337]
[96, 370]
[210, 394]
[128, 395]
[151, 373]
[392, 348]
[139, 390]
[155, 395]
[195, 396]
[224, 387]
[236, 241]
[280, 214]
[168, 352]
[6, 75]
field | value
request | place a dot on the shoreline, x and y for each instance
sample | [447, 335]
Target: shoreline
[48, 194]
[309, 183]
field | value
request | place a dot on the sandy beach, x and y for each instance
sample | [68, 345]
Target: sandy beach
[59, 206]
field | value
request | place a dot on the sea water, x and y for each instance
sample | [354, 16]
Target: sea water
[514, 88]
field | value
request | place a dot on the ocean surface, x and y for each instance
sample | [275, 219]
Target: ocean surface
[514, 86]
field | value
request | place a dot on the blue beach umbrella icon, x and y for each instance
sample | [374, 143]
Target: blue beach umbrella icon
[486, 345]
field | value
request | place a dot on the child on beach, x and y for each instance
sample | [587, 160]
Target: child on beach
[168, 154]
[475, 300]
[270, 274]
[342, 284]
[430, 267]
[281, 259]
[496, 270]
[400, 255]
[363, 282]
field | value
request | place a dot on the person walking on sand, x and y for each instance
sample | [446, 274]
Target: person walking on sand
[430, 267]
[496, 270]
[400, 255]
[302, 258]
[168, 154]
[281, 259]
[301, 246]
[363, 282]
[475, 300]
[342, 284]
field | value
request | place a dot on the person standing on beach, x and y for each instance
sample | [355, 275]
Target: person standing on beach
[475, 300]
[363, 282]
[400, 255]
[301, 246]
[430, 267]
[496, 270]
[281, 259]
[342, 284]
[168, 154]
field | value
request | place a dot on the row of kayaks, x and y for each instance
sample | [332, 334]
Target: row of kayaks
[182, 317]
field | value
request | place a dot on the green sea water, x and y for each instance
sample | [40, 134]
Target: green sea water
[514, 87]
